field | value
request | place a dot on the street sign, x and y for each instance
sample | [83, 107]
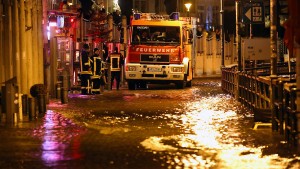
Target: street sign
[253, 13]
[247, 16]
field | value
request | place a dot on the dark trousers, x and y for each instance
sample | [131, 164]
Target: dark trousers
[116, 75]
[84, 83]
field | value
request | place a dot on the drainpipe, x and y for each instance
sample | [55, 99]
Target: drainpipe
[40, 41]
[273, 36]
[23, 64]
[238, 47]
[222, 31]
[35, 40]
[238, 37]
[17, 53]
[28, 34]
[273, 52]
[1, 45]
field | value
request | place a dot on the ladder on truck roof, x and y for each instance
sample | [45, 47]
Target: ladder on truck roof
[154, 16]
[172, 17]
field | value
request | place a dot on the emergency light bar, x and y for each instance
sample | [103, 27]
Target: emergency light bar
[153, 16]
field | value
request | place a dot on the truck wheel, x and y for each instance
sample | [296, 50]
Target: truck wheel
[189, 83]
[180, 84]
[142, 85]
[131, 85]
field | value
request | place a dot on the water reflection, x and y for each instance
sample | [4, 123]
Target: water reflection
[60, 139]
[216, 135]
[198, 127]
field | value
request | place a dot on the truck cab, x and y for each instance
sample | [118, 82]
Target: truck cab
[158, 52]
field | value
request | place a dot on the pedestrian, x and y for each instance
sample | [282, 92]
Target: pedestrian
[116, 73]
[85, 69]
[105, 51]
[218, 34]
[102, 80]
[104, 58]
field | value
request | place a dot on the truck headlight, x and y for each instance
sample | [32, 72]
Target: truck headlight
[131, 68]
[185, 60]
[177, 69]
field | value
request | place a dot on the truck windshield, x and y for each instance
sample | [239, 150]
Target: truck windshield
[156, 34]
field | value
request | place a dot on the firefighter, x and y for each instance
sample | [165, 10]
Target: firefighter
[116, 73]
[94, 66]
[86, 72]
[96, 71]
[98, 78]
[144, 37]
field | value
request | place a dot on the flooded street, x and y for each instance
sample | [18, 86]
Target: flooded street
[158, 127]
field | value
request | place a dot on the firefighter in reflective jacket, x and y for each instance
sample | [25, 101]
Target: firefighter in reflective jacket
[98, 76]
[85, 70]
[116, 61]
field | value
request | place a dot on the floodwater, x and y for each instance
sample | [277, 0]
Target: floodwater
[158, 127]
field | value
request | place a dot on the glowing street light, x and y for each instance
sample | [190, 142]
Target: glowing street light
[188, 6]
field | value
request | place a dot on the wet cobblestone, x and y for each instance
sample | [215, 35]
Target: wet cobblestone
[198, 127]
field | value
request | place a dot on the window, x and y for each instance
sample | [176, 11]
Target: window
[140, 5]
[156, 34]
[200, 10]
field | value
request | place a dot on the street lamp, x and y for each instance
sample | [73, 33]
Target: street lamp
[188, 6]
[222, 31]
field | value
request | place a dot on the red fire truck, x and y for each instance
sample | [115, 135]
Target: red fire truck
[159, 51]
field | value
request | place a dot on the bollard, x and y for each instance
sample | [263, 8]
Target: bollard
[39, 91]
[109, 78]
[58, 91]
[47, 98]
[25, 104]
[10, 94]
[3, 101]
[64, 89]
[15, 118]
[41, 104]
[236, 85]
[31, 105]
[64, 95]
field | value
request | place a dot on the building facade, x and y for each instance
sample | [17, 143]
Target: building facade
[207, 12]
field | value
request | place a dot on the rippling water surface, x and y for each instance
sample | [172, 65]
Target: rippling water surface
[198, 127]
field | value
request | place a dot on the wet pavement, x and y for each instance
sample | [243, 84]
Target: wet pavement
[158, 127]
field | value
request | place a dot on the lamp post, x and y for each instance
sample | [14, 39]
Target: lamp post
[188, 6]
[222, 31]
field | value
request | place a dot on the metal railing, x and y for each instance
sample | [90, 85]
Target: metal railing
[271, 98]
[229, 79]
[253, 92]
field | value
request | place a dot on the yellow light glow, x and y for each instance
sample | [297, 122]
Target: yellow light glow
[188, 5]
[209, 143]
[185, 60]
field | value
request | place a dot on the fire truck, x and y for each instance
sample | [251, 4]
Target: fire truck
[159, 51]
